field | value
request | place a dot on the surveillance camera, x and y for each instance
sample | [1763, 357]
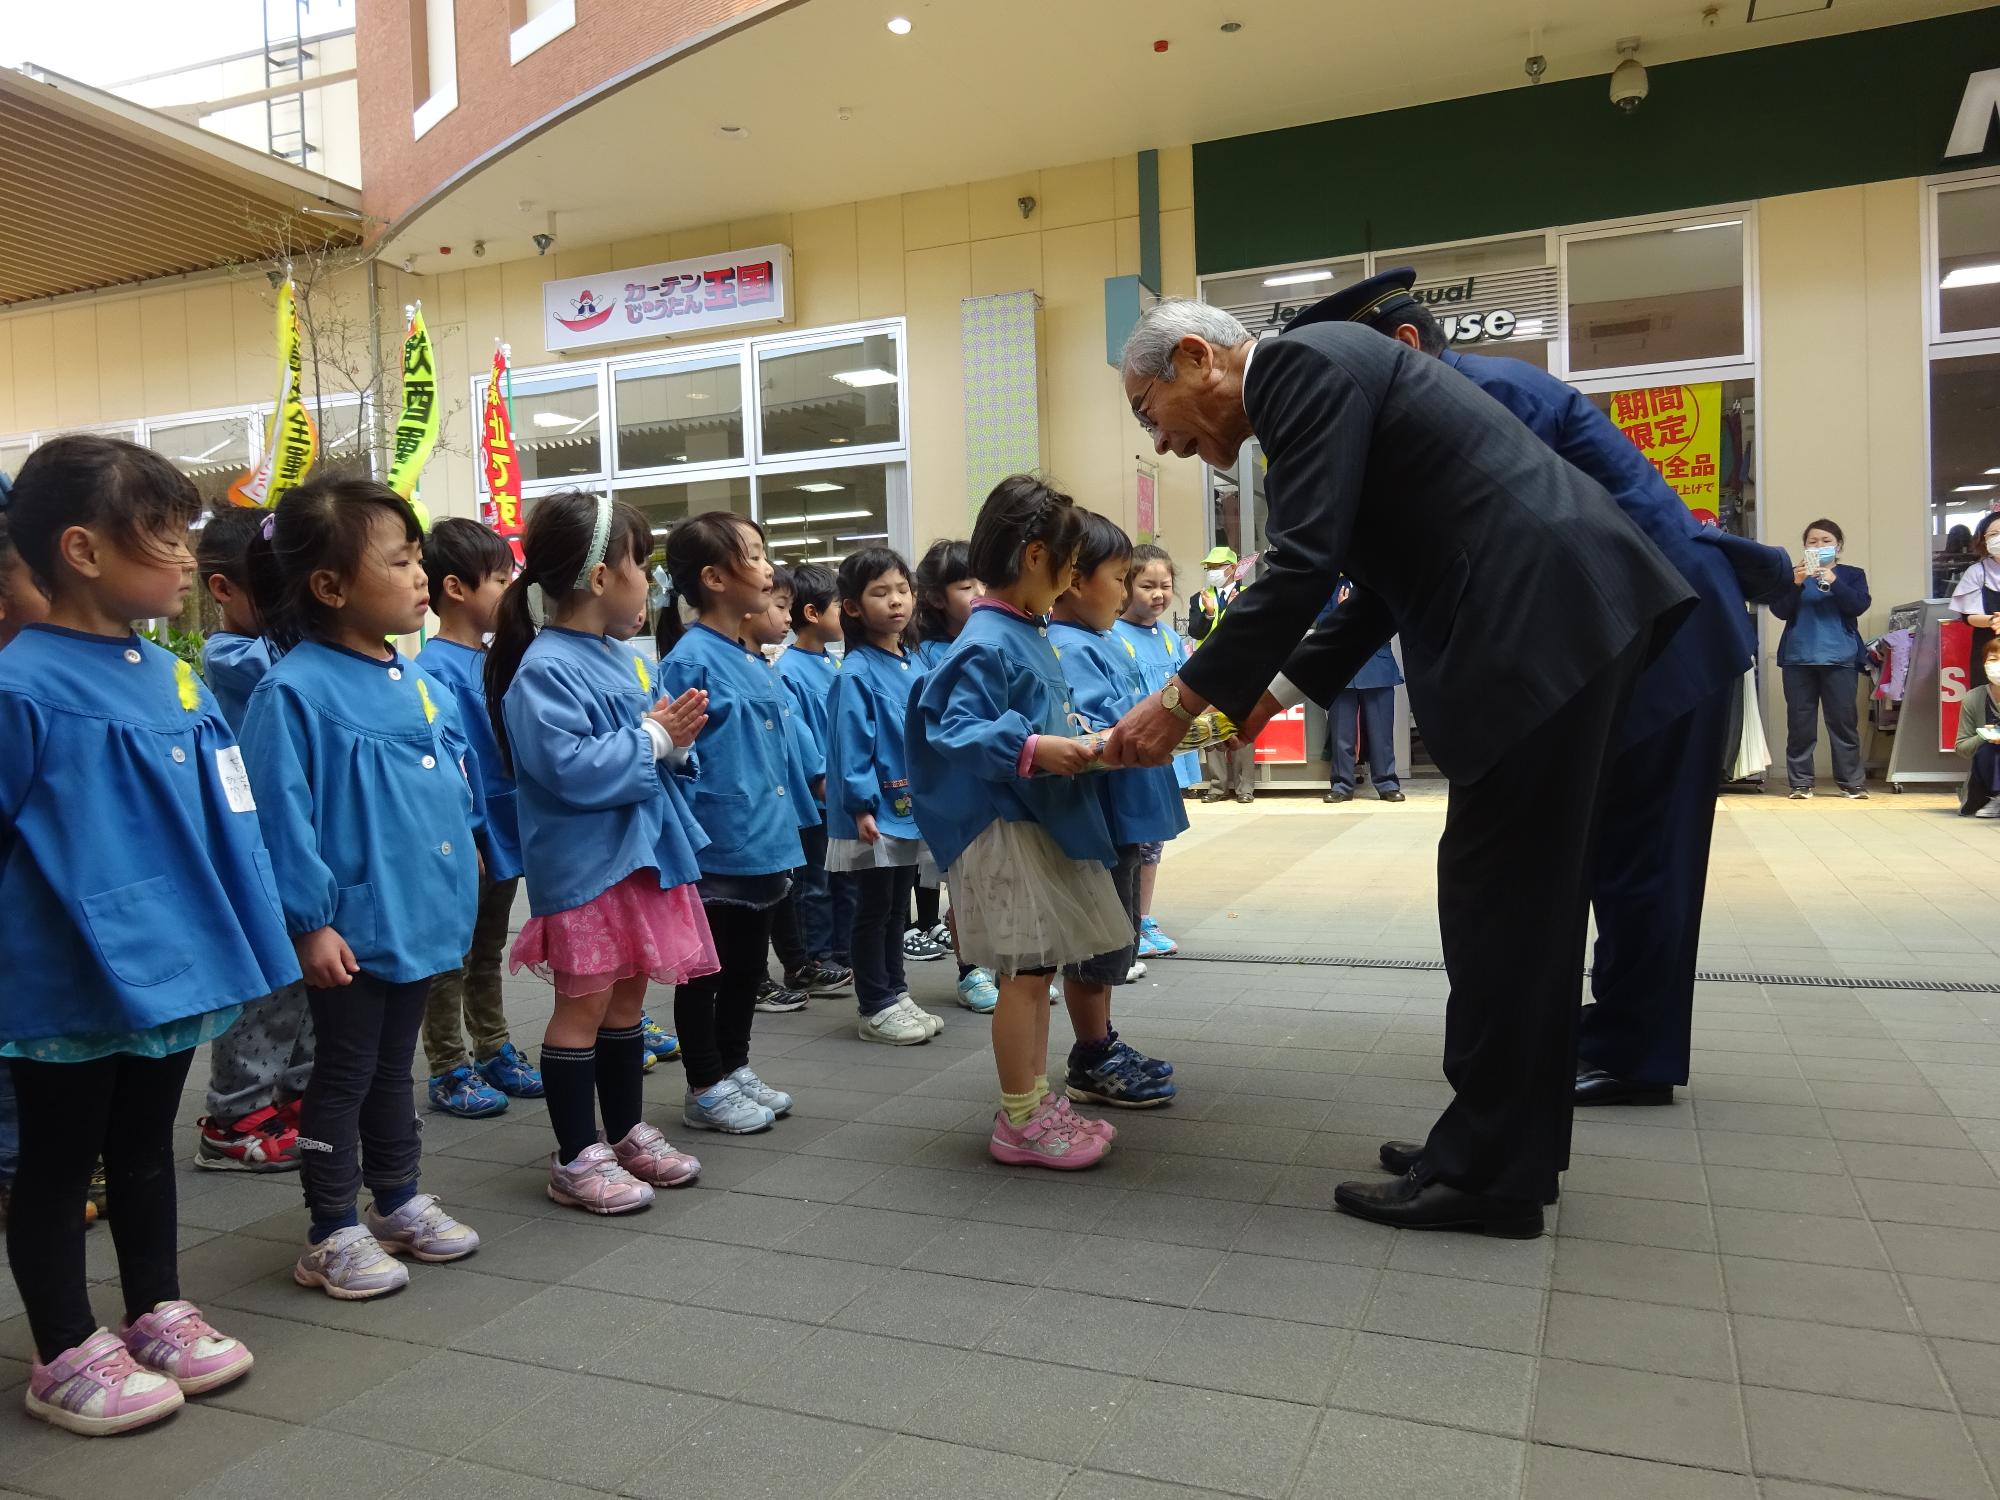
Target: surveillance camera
[543, 241]
[1628, 79]
[479, 248]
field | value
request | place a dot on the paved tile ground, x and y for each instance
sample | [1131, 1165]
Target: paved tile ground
[1785, 1286]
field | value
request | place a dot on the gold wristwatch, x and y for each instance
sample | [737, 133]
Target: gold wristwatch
[1170, 699]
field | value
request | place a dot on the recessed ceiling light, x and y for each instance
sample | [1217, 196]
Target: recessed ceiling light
[1718, 224]
[733, 132]
[1971, 489]
[861, 378]
[1985, 274]
[819, 489]
[900, 25]
[1230, 28]
[1993, 471]
[1298, 278]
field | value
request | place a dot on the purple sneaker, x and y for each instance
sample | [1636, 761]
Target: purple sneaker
[597, 1182]
[176, 1341]
[97, 1389]
[422, 1230]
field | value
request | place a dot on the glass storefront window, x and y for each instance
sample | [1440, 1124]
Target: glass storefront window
[1968, 259]
[1264, 300]
[1702, 438]
[212, 451]
[1656, 296]
[844, 392]
[664, 504]
[687, 412]
[1965, 461]
[12, 456]
[343, 444]
[557, 425]
[822, 515]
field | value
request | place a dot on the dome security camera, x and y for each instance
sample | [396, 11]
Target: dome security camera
[1628, 80]
[543, 241]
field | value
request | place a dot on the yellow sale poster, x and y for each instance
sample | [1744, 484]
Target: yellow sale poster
[1679, 429]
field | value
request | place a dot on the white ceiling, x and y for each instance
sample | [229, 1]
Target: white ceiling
[980, 90]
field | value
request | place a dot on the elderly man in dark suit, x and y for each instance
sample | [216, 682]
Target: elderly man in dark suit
[1527, 605]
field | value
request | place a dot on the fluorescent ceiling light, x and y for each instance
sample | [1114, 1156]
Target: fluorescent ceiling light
[864, 536]
[552, 419]
[836, 440]
[1971, 489]
[206, 454]
[1298, 278]
[832, 515]
[1984, 274]
[1993, 471]
[821, 488]
[1697, 228]
[829, 557]
[900, 25]
[861, 379]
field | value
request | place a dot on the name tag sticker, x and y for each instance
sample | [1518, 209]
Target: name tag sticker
[235, 779]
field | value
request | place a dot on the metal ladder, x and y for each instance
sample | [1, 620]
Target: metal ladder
[285, 59]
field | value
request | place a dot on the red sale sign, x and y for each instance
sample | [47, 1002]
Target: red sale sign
[1283, 741]
[1954, 668]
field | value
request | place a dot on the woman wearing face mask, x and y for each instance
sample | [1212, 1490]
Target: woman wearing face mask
[1821, 655]
[1977, 597]
[1979, 737]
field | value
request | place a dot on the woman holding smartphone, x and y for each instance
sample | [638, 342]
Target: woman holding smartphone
[1821, 654]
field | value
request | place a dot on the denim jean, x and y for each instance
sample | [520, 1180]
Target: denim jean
[357, 1123]
[824, 906]
[1810, 691]
[882, 905]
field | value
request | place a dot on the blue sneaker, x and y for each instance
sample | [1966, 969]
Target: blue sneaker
[1154, 943]
[978, 993]
[661, 1045]
[509, 1072]
[1117, 1080]
[1152, 1067]
[464, 1093]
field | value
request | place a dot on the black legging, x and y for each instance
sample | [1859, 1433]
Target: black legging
[712, 1015]
[927, 907]
[121, 1108]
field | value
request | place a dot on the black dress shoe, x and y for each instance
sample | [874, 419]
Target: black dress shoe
[1401, 1157]
[1214, 795]
[1406, 1203]
[1394, 797]
[1337, 795]
[1595, 1086]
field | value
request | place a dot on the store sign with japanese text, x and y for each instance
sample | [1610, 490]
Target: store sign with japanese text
[668, 300]
[1495, 307]
[1679, 429]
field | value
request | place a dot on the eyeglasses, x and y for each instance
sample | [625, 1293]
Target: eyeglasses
[1146, 423]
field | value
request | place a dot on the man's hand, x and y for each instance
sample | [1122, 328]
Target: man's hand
[1250, 728]
[1151, 732]
[325, 958]
[1060, 755]
[865, 829]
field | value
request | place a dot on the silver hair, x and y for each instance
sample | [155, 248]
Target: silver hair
[1149, 349]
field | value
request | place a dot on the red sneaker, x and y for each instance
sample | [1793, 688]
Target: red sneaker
[260, 1142]
[288, 1112]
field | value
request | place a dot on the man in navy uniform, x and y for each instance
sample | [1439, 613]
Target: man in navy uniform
[1362, 719]
[1651, 863]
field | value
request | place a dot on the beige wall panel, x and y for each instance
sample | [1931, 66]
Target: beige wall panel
[642, 252]
[76, 365]
[994, 206]
[211, 350]
[521, 311]
[253, 331]
[485, 307]
[1899, 553]
[1127, 231]
[1177, 178]
[163, 353]
[826, 266]
[1181, 505]
[1080, 194]
[1013, 264]
[121, 388]
[768, 229]
[937, 217]
[34, 371]
[1084, 400]
[1125, 186]
[709, 239]
[878, 247]
[937, 280]
[1177, 252]
[10, 422]
[588, 260]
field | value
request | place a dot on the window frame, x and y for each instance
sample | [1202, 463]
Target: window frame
[1935, 190]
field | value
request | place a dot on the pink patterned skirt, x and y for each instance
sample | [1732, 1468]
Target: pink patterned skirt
[634, 928]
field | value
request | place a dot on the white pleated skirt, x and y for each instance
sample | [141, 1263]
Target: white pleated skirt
[1019, 903]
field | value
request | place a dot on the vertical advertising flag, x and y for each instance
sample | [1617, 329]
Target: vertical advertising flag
[503, 469]
[417, 427]
[289, 441]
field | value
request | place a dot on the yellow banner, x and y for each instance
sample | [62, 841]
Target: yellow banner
[417, 427]
[289, 441]
[1679, 429]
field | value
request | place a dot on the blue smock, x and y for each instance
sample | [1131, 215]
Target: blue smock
[866, 769]
[461, 671]
[1160, 652]
[1142, 804]
[233, 665]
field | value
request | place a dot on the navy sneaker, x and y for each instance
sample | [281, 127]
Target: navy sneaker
[1117, 1080]
[1152, 1067]
[464, 1093]
[510, 1073]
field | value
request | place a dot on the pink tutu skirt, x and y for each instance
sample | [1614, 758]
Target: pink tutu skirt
[634, 928]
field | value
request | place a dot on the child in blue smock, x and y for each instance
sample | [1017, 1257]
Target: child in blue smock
[872, 837]
[994, 769]
[22, 603]
[469, 567]
[821, 910]
[357, 758]
[1142, 805]
[1159, 651]
[259, 1068]
[139, 920]
[750, 782]
[606, 839]
[765, 632]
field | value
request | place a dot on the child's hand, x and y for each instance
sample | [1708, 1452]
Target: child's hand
[865, 829]
[819, 789]
[326, 959]
[682, 717]
[1061, 756]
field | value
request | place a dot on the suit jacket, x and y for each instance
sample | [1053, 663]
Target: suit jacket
[1512, 577]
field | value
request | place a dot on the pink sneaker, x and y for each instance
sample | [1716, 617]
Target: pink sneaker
[1103, 1129]
[97, 1389]
[646, 1155]
[176, 1341]
[1050, 1137]
[596, 1183]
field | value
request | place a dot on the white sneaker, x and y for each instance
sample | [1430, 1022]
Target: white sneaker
[893, 1027]
[777, 1101]
[1136, 972]
[932, 1023]
[1990, 810]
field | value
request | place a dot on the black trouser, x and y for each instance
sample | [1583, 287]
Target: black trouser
[929, 898]
[1513, 911]
[1649, 875]
[881, 904]
[1810, 691]
[712, 1014]
[356, 1122]
[121, 1108]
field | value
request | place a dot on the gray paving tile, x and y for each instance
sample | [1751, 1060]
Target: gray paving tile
[1668, 1418]
[1050, 1201]
[1770, 1153]
[891, 1144]
[1479, 1314]
[1091, 1484]
[1097, 1333]
[1253, 1356]
[817, 1179]
[925, 1190]
[1315, 1234]
[804, 1288]
[1304, 1291]
[1964, 1309]
[1249, 1446]
[320, 1465]
[1918, 1163]
[1926, 1249]
[1844, 1295]
[740, 1218]
[932, 1308]
[1783, 1192]
[874, 1236]
[1973, 1373]
[1482, 1389]
[1894, 1449]
[1647, 1336]
[1814, 1238]
[1679, 1182]
[1387, 1459]
[1931, 1203]
[1142, 1270]
[1471, 1257]
[1759, 1119]
[859, 1377]
[550, 1250]
[1864, 1364]
[1038, 1410]
[704, 1350]
[1638, 1221]
[912, 1468]
[563, 1327]
[444, 1404]
[1893, 1128]
[660, 1266]
[1212, 1177]
[1571, 1474]
[177, 1457]
[543, 1439]
[1177, 1219]
[1637, 1273]
[996, 1252]
[439, 1303]
[769, 1455]
[454, 1476]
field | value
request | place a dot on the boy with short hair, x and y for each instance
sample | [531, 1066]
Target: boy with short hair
[469, 568]
[257, 1069]
[817, 922]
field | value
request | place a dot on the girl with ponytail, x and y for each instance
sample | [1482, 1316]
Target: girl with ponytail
[607, 845]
